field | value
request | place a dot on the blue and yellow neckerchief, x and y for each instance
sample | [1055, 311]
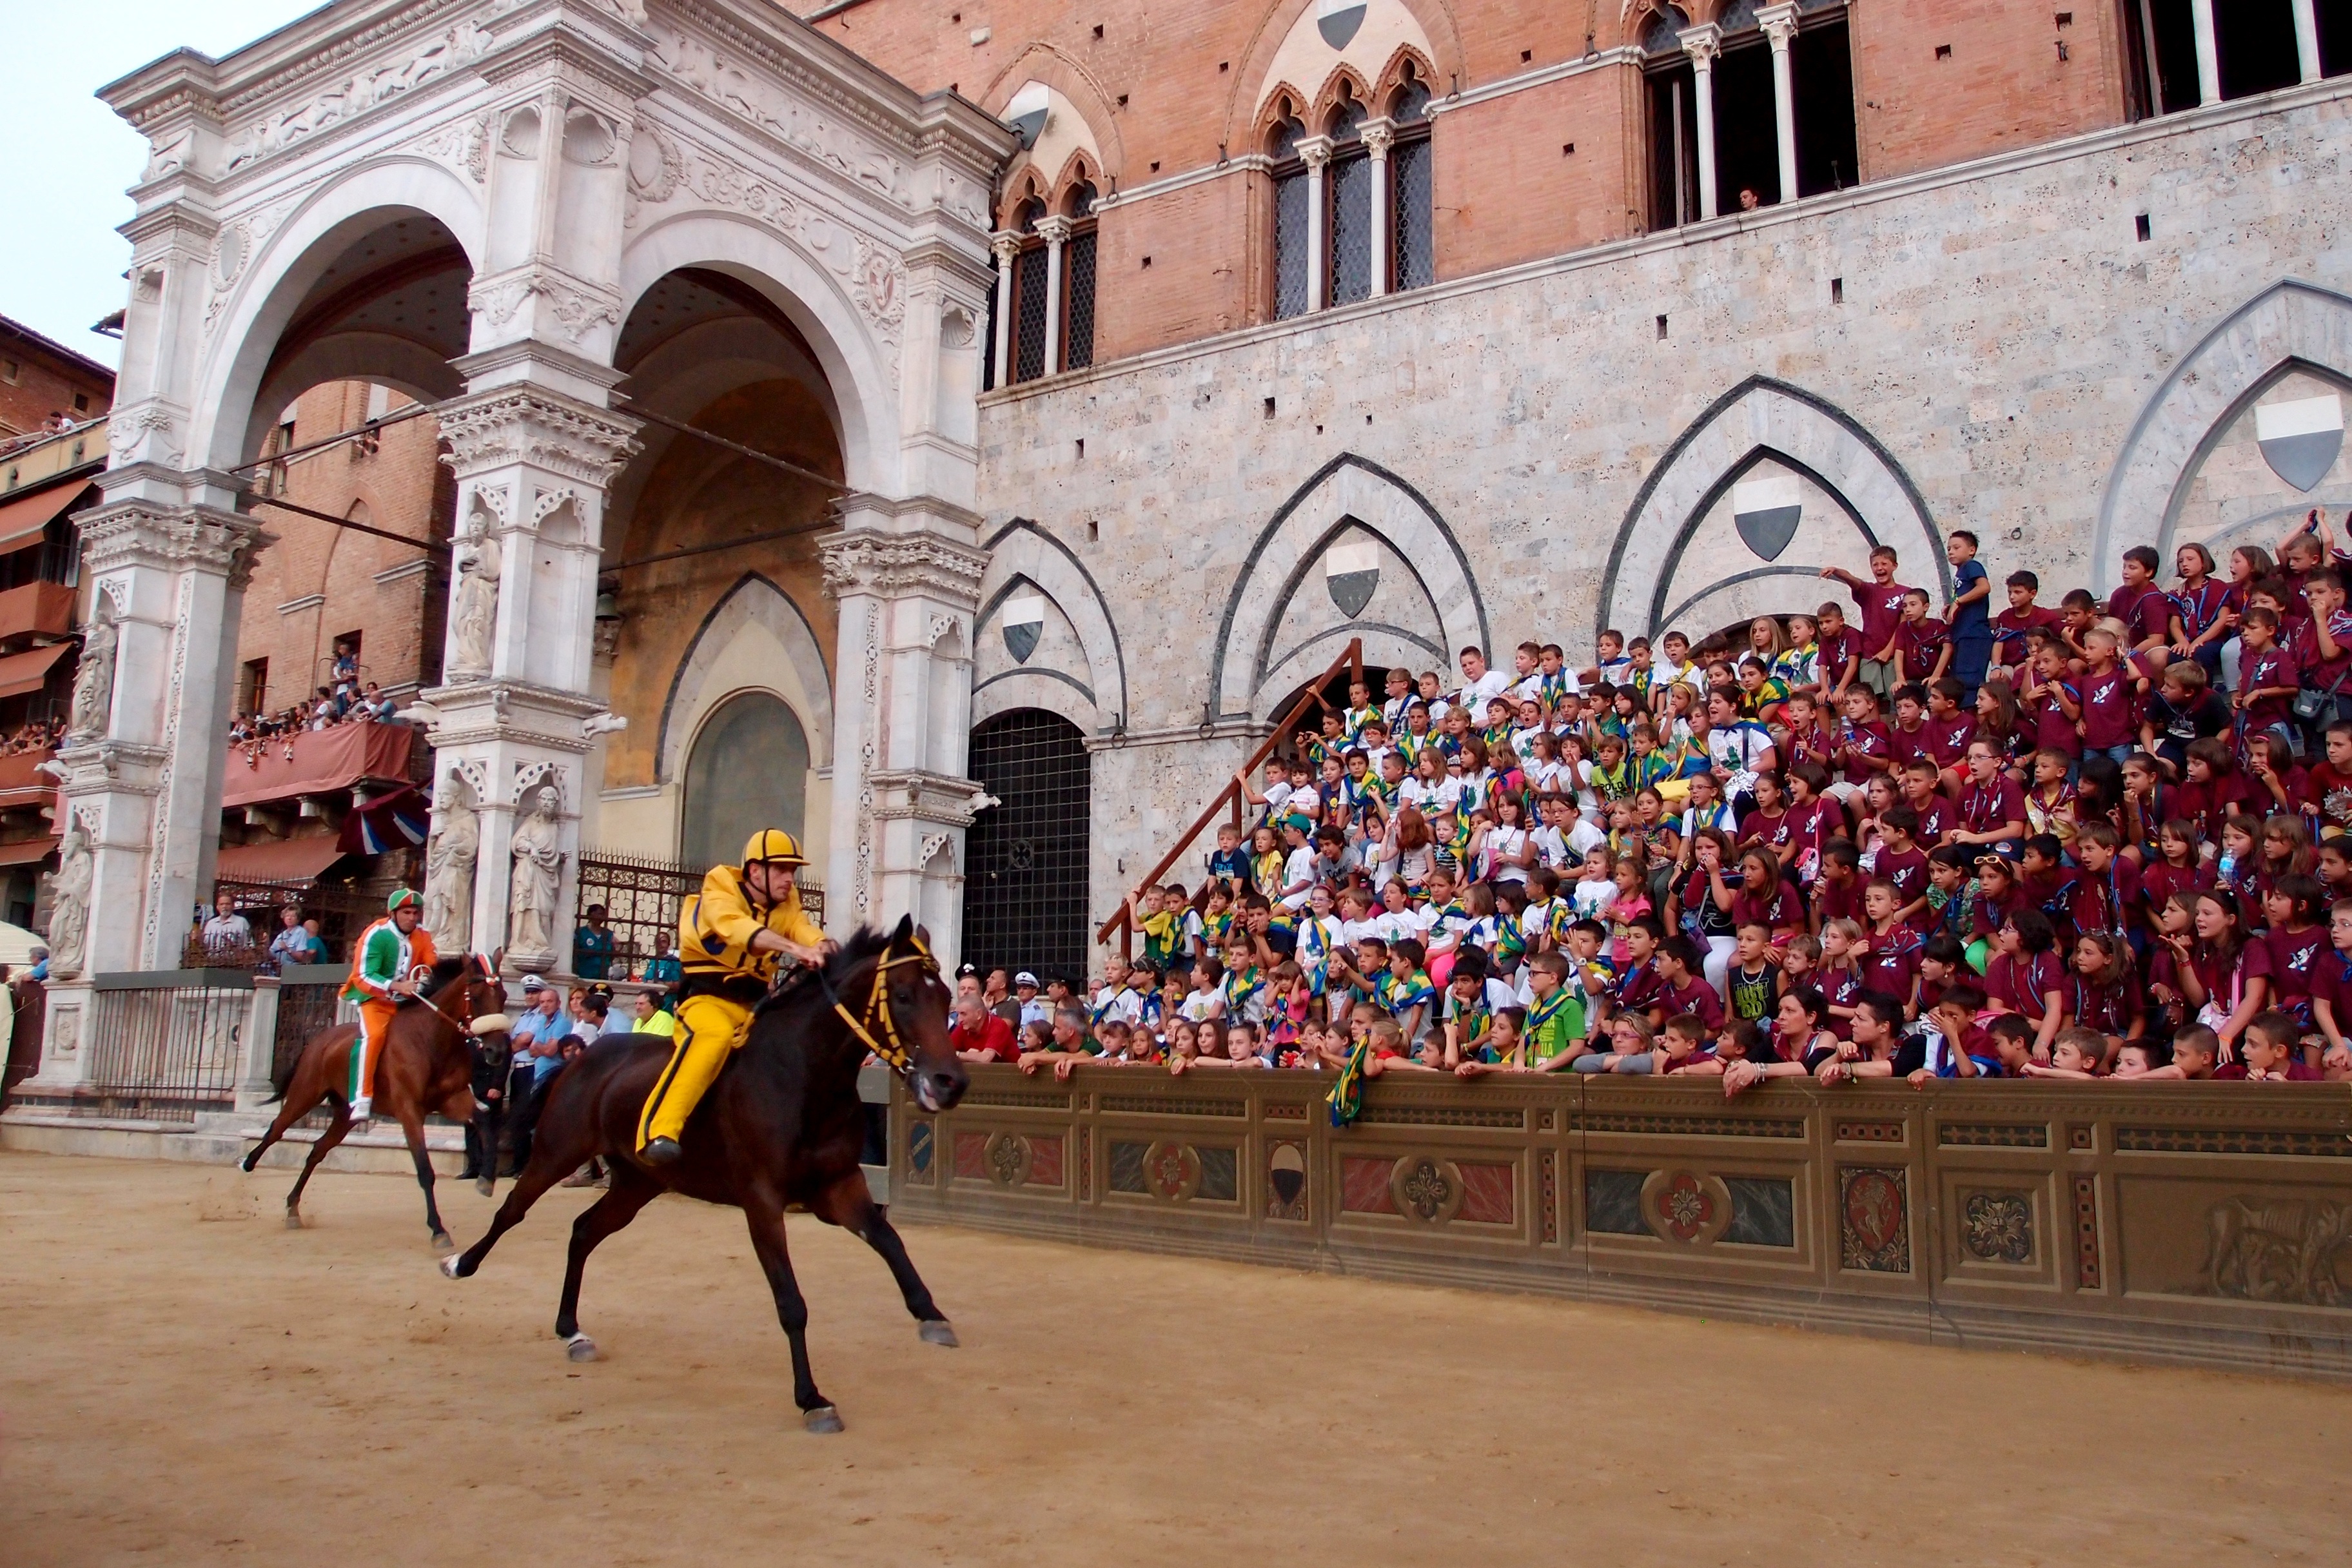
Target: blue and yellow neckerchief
[1412, 746]
[1353, 721]
[1550, 688]
[1413, 991]
[1346, 1097]
[1510, 936]
[1266, 871]
[1314, 953]
[1239, 987]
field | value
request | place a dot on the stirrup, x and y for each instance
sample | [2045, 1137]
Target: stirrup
[363, 1107]
[661, 1151]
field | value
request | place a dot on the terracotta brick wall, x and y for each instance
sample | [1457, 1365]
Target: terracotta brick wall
[40, 384]
[1178, 80]
[405, 489]
[2002, 86]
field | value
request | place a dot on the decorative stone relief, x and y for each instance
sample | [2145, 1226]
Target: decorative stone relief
[358, 93]
[656, 170]
[869, 565]
[138, 434]
[531, 914]
[827, 138]
[449, 857]
[521, 425]
[93, 687]
[69, 898]
[473, 617]
[463, 144]
[576, 307]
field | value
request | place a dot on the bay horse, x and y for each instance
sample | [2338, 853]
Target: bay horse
[426, 1065]
[781, 1126]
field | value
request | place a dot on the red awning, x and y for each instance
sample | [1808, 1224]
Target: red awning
[278, 859]
[28, 851]
[316, 761]
[22, 521]
[23, 672]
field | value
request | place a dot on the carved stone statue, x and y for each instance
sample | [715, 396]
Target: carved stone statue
[70, 902]
[474, 616]
[449, 857]
[93, 687]
[538, 875]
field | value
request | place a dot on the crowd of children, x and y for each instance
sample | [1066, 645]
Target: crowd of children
[2103, 840]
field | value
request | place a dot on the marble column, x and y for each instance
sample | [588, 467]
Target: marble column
[2306, 40]
[1007, 245]
[2208, 52]
[1056, 233]
[1317, 152]
[1380, 135]
[1779, 25]
[1703, 44]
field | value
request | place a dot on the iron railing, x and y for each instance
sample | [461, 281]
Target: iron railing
[309, 999]
[641, 896]
[164, 1045]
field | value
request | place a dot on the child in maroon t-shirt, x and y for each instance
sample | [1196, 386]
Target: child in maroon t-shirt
[2106, 700]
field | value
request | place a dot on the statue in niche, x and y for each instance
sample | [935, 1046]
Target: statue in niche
[538, 878]
[93, 689]
[449, 856]
[474, 616]
[70, 902]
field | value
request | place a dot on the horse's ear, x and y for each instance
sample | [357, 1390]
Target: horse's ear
[923, 938]
[906, 929]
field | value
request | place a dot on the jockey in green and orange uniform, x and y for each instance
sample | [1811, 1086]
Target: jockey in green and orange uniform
[382, 961]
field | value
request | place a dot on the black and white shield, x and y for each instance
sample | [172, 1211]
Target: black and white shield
[1338, 20]
[2300, 440]
[1023, 619]
[1027, 111]
[1351, 571]
[1287, 1173]
[1766, 512]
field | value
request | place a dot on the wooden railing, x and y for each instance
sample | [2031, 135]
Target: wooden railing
[1122, 922]
[2199, 1223]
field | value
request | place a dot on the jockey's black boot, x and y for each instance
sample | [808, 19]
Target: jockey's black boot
[661, 1151]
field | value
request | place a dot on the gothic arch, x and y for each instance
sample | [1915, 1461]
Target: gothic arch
[1757, 419]
[753, 601]
[1255, 74]
[1347, 491]
[813, 296]
[2290, 326]
[1022, 554]
[1043, 62]
[280, 255]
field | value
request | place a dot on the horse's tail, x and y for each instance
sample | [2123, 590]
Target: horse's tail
[282, 1078]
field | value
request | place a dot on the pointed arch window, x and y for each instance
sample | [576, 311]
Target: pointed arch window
[1078, 273]
[1412, 262]
[1351, 207]
[1045, 292]
[1290, 235]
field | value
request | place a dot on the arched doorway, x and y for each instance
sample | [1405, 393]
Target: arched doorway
[1025, 859]
[749, 770]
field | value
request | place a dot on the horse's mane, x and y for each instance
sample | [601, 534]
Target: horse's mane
[444, 971]
[861, 945]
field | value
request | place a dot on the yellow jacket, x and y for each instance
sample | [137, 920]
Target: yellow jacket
[715, 929]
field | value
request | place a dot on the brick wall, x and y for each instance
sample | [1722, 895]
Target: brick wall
[36, 382]
[1179, 81]
[2002, 86]
[403, 488]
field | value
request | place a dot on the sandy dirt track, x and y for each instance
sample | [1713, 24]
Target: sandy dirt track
[184, 1381]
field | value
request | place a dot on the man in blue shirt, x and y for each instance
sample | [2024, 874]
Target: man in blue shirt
[538, 1036]
[592, 947]
[1969, 614]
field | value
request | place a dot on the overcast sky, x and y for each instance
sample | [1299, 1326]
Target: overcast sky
[61, 263]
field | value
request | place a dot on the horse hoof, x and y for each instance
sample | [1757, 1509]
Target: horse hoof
[293, 1220]
[449, 1265]
[936, 1332]
[825, 1420]
[580, 1347]
[483, 1186]
[441, 1242]
[246, 1164]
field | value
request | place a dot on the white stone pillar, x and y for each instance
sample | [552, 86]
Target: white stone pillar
[1316, 152]
[1007, 245]
[905, 575]
[2306, 40]
[1057, 234]
[2208, 52]
[1380, 135]
[533, 464]
[1779, 25]
[143, 760]
[257, 1048]
[1703, 44]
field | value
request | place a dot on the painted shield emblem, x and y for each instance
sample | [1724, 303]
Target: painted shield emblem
[1351, 571]
[2301, 439]
[1766, 512]
[1023, 619]
[1338, 20]
[1027, 113]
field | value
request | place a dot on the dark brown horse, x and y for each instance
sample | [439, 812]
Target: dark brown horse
[781, 1127]
[426, 1066]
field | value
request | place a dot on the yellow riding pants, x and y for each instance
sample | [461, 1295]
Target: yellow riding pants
[709, 1027]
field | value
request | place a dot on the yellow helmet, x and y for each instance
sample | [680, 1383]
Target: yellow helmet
[774, 844]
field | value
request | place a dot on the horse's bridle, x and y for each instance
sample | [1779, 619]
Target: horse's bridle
[890, 1048]
[464, 1026]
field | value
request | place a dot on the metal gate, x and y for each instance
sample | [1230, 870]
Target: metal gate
[166, 1046]
[1025, 877]
[309, 999]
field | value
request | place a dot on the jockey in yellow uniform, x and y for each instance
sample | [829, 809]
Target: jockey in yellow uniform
[730, 937]
[383, 958]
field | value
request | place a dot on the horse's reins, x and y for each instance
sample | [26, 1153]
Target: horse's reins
[890, 1048]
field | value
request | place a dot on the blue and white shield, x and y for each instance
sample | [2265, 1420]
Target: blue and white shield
[1766, 512]
[1351, 571]
[2300, 439]
[1023, 619]
[1338, 20]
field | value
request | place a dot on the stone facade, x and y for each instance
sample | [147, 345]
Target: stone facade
[1990, 347]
